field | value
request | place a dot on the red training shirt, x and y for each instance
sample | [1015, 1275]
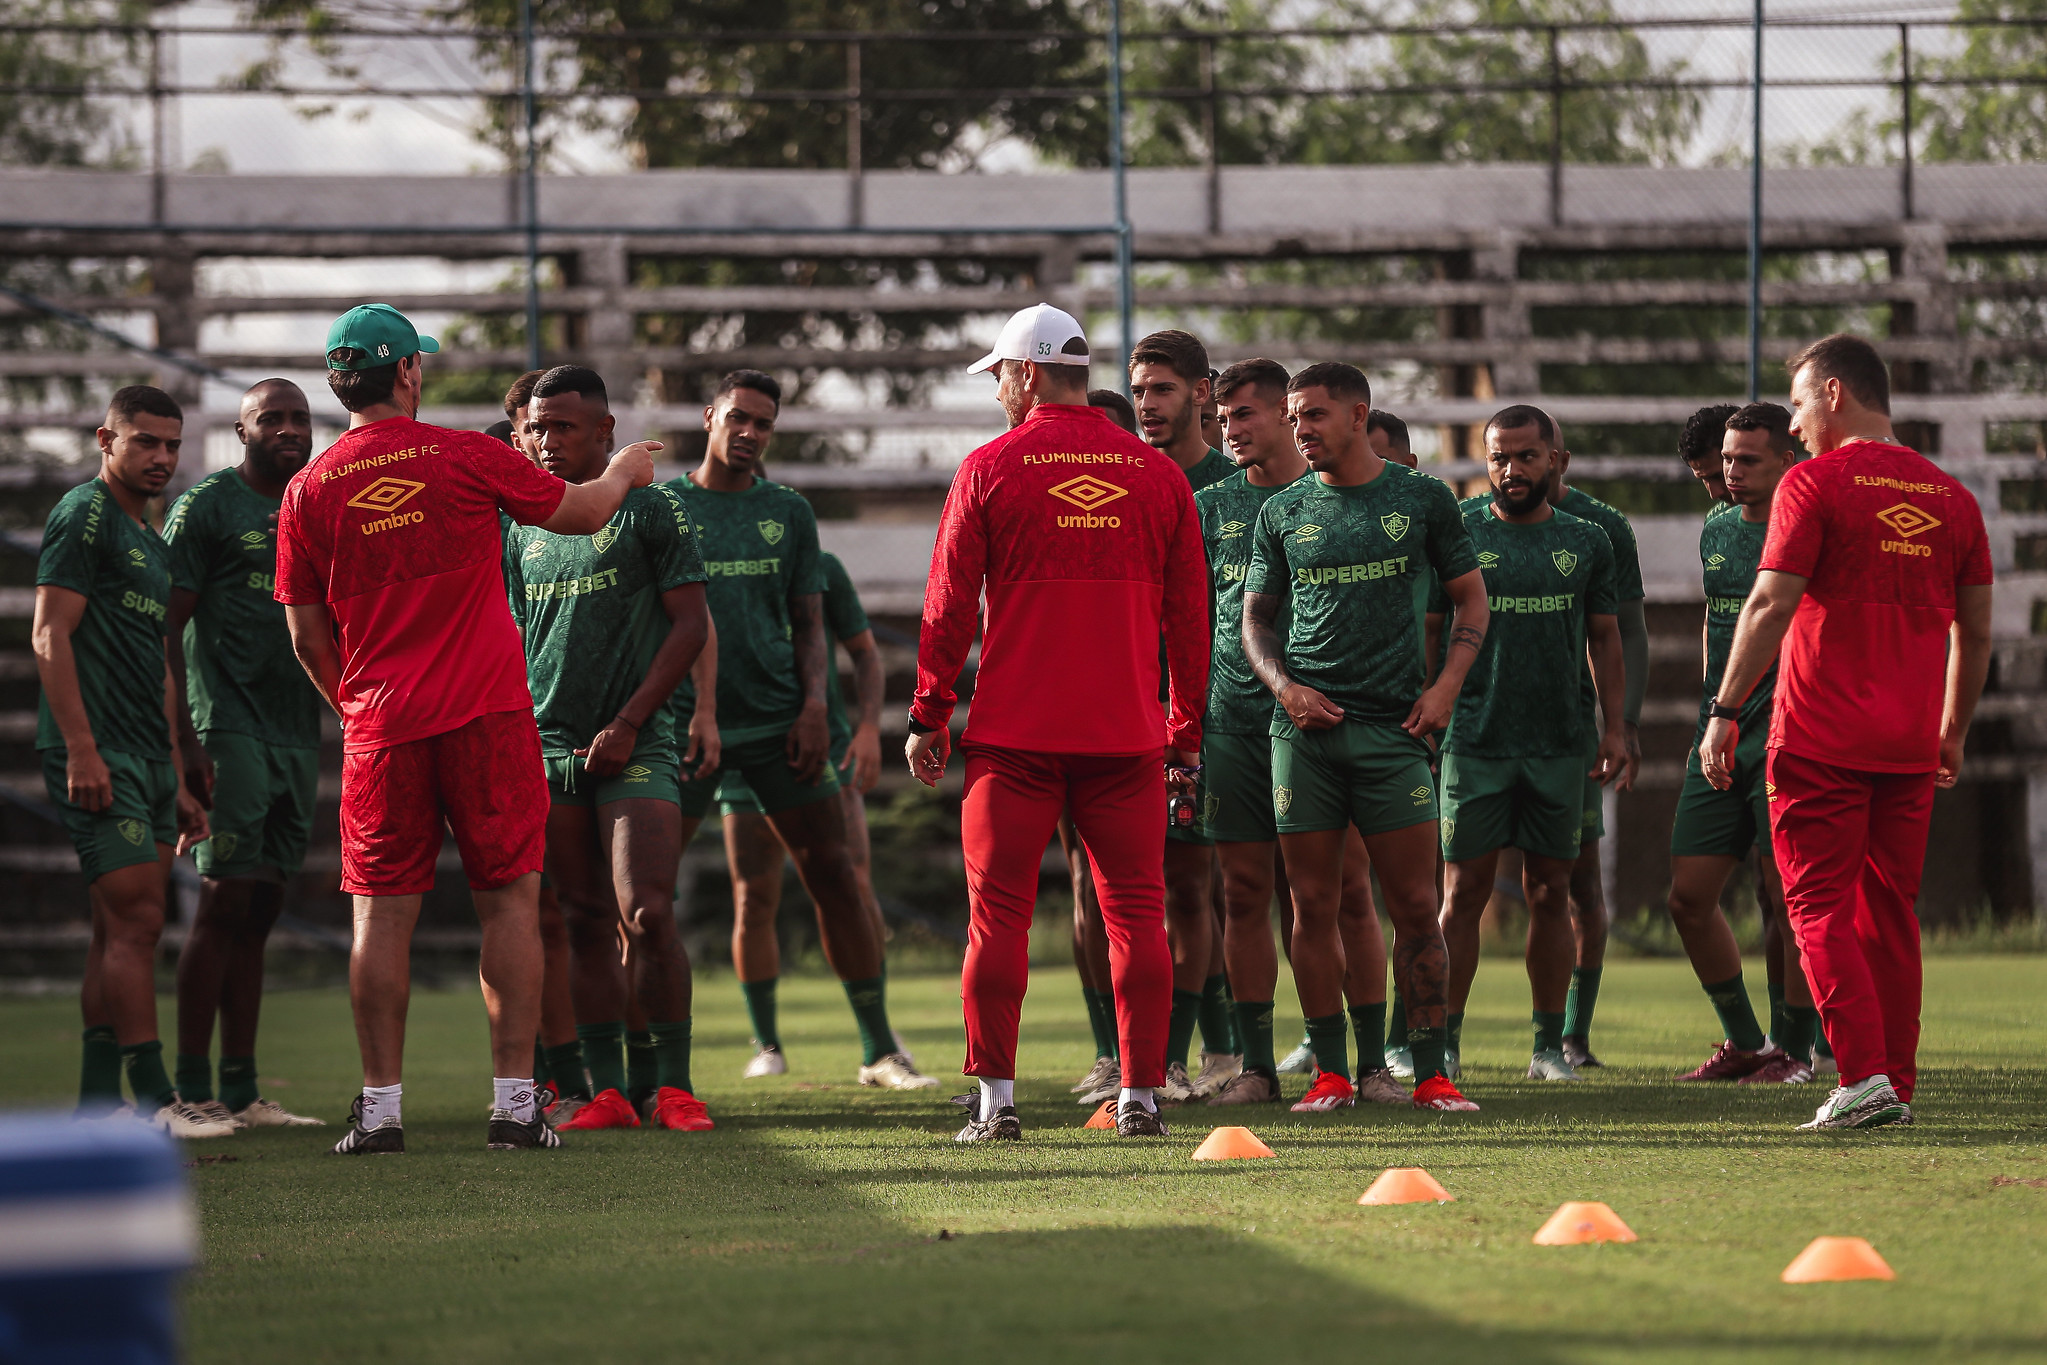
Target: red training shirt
[1884, 539]
[1087, 542]
[395, 528]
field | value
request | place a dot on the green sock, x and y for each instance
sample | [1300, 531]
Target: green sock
[671, 1055]
[1426, 1045]
[1549, 1030]
[1254, 1026]
[238, 1083]
[760, 1011]
[1820, 1046]
[642, 1070]
[869, 999]
[1180, 1025]
[604, 1053]
[540, 1072]
[1101, 1019]
[1578, 1005]
[1779, 1022]
[99, 1070]
[565, 1066]
[1332, 1049]
[1396, 1021]
[1737, 1016]
[1801, 1029]
[1369, 1023]
[147, 1079]
[1453, 1034]
[1217, 1033]
[195, 1077]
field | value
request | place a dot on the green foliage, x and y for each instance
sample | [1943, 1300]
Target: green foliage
[64, 129]
[1985, 120]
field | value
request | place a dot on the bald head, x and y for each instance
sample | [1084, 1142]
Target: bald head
[275, 427]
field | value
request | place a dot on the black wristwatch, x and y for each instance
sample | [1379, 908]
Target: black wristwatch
[1719, 712]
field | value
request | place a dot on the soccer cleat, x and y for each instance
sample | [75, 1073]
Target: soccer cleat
[1783, 1069]
[1216, 1070]
[1379, 1087]
[894, 1072]
[564, 1109]
[1002, 1126]
[608, 1110]
[547, 1094]
[217, 1111]
[1105, 1071]
[182, 1120]
[1400, 1061]
[902, 1048]
[1109, 1089]
[1437, 1093]
[681, 1111]
[1549, 1065]
[387, 1138]
[120, 1113]
[1331, 1090]
[1730, 1063]
[1134, 1120]
[1871, 1104]
[769, 1061]
[507, 1134]
[1176, 1089]
[1299, 1062]
[1254, 1086]
[1578, 1052]
[271, 1114]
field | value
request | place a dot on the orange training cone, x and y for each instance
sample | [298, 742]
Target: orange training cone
[1228, 1144]
[1837, 1258]
[1405, 1185]
[1583, 1222]
[1103, 1117]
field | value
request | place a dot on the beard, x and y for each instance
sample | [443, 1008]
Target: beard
[1519, 501]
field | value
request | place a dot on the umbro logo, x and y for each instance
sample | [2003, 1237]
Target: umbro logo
[1715, 561]
[1420, 795]
[1086, 492]
[255, 540]
[639, 772]
[138, 556]
[1486, 559]
[536, 549]
[1908, 521]
[386, 494]
[1308, 532]
[1233, 528]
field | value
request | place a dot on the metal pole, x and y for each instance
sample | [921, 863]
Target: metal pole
[1125, 290]
[856, 195]
[1556, 133]
[158, 134]
[1755, 213]
[1905, 124]
[531, 172]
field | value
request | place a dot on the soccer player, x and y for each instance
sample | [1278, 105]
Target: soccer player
[249, 735]
[1513, 761]
[389, 563]
[1086, 545]
[1700, 446]
[1875, 582]
[612, 622]
[1349, 738]
[1716, 829]
[1389, 438]
[109, 745]
[754, 854]
[759, 542]
[1171, 385]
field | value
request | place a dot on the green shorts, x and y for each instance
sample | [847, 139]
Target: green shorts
[144, 812]
[649, 775]
[762, 762]
[1726, 824]
[736, 798]
[1533, 804]
[1356, 773]
[262, 815]
[1238, 772]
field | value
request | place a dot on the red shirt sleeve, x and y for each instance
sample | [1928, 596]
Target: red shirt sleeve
[524, 491]
[1797, 524]
[1186, 615]
[301, 574]
[952, 600]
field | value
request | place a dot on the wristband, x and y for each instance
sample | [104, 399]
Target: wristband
[621, 719]
[1719, 712]
[917, 727]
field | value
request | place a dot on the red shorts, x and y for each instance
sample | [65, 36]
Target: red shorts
[482, 781]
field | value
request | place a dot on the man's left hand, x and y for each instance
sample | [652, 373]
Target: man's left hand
[810, 744]
[1716, 752]
[928, 753]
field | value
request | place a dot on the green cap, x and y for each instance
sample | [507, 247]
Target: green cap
[380, 332]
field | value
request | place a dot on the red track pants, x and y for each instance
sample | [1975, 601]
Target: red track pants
[1011, 807]
[1851, 847]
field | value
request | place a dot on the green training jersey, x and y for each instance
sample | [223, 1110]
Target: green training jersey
[1238, 704]
[1542, 581]
[123, 570]
[1720, 509]
[1730, 554]
[760, 553]
[1350, 561]
[1213, 468]
[240, 673]
[844, 618]
[590, 610]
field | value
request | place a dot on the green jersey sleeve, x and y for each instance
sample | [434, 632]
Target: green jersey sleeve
[671, 544]
[1268, 571]
[67, 559]
[1448, 545]
[844, 617]
[806, 562]
[1602, 594]
[184, 531]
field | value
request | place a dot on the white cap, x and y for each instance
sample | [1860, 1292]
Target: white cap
[1040, 333]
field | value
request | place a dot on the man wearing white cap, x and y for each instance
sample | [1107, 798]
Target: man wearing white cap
[1086, 544]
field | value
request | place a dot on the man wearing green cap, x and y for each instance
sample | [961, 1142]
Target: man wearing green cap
[388, 553]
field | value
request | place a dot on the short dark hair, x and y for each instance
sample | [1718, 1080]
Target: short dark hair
[131, 402]
[1268, 376]
[1765, 417]
[563, 380]
[521, 392]
[756, 380]
[1700, 440]
[1524, 415]
[361, 389]
[1395, 429]
[1181, 352]
[503, 431]
[1346, 383]
[1854, 362]
[1116, 405]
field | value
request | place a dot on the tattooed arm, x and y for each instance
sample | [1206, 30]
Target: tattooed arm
[1305, 707]
[1467, 633]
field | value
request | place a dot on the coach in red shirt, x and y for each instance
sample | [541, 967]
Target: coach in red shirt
[388, 562]
[1085, 542]
[1875, 582]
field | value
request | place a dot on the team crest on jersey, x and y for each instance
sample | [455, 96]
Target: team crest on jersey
[224, 846]
[1564, 560]
[137, 556]
[134, 831]
[1396, 524]
[771, 531]
[1715, 561]
[1908, 521]
[1308, 532]
[1486, 559]
[1282, 801]
[1449, 829]
[604, 539]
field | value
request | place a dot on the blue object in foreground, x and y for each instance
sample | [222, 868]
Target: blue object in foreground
[95, 1225]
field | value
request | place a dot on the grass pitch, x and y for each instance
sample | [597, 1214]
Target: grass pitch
[825, 1223]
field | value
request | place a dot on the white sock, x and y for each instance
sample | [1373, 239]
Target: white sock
[516, 1094]
[1140, 1095]
[380, 1102]
[996, 1095]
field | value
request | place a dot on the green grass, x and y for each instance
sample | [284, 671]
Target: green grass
[824, 1223]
